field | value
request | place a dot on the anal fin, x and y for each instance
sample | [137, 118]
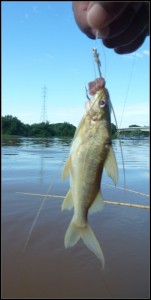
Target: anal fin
[68, 201]
[97, 205]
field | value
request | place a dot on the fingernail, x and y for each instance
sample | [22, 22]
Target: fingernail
[97, 16]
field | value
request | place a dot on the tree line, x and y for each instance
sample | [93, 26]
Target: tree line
[13, 126]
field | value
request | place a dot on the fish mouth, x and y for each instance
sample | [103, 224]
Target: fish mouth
[90, 110]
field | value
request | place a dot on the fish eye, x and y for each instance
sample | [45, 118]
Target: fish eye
[102, 103]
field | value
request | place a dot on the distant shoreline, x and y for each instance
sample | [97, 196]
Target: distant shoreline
[13, 127]
[5, 136]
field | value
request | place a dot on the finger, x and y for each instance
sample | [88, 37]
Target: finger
[102, 13]
[132, 46]
[131, 33]
[92, 15]
[80, 14]
[122, 22]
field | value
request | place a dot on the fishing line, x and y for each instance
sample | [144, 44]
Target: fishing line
[107, 184]
[122, 156]
[120, 144]
[128, 190]
[94, 67]
[117, 130]
[128, 87]
[105, 201]
[84, 117]
[121, 150]
[98, 45]
[82, 122]
[41, 206]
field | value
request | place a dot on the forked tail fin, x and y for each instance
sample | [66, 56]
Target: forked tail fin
[74, 233]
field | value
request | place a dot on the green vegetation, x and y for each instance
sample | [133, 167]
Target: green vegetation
[114, 131]
[13, 126]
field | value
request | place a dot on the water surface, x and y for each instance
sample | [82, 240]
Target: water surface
[46, 269]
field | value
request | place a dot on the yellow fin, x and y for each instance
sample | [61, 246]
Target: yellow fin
[67, 168]
[74, 233]
[97, 205]
[68, 201]
[111, 166]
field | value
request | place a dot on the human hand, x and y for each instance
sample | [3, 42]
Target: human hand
[122, 26]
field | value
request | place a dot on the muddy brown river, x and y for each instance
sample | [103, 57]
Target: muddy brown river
[45, 269]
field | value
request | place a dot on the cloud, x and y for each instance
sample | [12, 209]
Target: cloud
[35, 9]
[26, 15]
[49, 7]
[133, 114]
[63, 114]
[56, 15]
[49, 56]
[137, 55]
[146, 52]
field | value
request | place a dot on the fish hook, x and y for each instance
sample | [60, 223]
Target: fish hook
[86, 91]
[97, 60]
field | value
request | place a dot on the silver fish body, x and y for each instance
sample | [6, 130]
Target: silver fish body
[91, 151]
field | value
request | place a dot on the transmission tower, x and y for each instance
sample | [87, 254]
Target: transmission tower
[44, 108]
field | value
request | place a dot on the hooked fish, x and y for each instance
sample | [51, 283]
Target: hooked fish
[90, 153]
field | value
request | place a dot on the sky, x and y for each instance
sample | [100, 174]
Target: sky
[43, 46]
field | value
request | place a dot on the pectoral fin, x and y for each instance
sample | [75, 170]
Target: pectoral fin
[67, 168]
[68, 201]
[97, 205]
[111, 166]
